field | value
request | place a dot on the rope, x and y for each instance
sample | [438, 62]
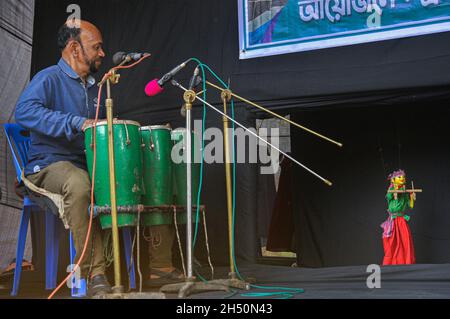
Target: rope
[139, 251]
[108, 251]
[178, 239]
[207, 244]
[148, 239]
[91, 264]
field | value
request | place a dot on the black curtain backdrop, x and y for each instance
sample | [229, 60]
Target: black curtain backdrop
[341, 225]
[373, 78]
[174, 30]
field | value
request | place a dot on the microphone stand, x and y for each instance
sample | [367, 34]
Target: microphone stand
[117, 289]
[222, 284]
[190, 285]
[113, 78]
[226, 96]
[233, 281]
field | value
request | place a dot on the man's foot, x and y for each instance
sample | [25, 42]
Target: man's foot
[9, 271]
[163, 276]
[98, 285]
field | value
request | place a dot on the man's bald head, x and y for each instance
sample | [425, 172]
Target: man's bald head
[72, 30]
[81, 42]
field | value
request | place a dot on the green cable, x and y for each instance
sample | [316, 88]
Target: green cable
[233, 293]
[200, 276]
[286, 292]
[200, 185]
[203, 66]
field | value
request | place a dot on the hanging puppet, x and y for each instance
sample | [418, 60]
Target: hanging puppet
[397, 239]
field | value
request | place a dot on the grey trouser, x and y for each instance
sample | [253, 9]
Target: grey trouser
[74, 185]
[160, 246]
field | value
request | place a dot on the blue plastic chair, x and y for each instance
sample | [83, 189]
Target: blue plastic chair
[19, 143]
[128, 245]
[19, 137]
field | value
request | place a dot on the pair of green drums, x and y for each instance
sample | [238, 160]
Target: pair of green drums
[146, 171]
[164, 174]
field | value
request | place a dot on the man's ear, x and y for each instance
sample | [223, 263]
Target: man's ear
[73, 47]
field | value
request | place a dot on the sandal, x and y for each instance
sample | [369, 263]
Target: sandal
[9, 271]
[165, 278]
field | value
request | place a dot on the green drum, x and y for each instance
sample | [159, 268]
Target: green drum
[179, 164]
[128, 168]
[158, 180]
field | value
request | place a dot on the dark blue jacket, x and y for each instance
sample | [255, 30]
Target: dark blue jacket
[54, 107]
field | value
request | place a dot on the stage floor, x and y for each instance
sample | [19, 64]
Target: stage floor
[397, 282]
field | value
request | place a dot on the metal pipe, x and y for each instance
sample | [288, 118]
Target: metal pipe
[277, 115]
[112, 186]
[105, 210]
[257, 136]
[188, 99]
[228, 185]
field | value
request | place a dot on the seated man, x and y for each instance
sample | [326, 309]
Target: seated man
[56, 106]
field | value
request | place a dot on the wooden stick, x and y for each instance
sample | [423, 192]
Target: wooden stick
[403, 191]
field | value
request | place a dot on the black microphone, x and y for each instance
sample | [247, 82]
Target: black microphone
[198, 81]
[193, 80]
[120, 57]
[155, 86]
[168, 76]
[193, 83]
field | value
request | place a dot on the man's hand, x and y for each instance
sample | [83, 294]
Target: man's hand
[86, 124]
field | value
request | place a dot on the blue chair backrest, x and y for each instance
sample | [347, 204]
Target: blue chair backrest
[19, 141]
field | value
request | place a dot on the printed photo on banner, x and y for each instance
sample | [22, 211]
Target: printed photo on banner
[286, 26]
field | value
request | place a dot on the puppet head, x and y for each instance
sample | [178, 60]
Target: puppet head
[398, 178]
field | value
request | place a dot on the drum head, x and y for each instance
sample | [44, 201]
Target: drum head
[155, 127]
[115, 122]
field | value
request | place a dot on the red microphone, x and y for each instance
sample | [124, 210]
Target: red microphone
[156, 86]
[153, 88]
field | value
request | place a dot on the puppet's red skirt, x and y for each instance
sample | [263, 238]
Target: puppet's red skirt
[399, 247]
